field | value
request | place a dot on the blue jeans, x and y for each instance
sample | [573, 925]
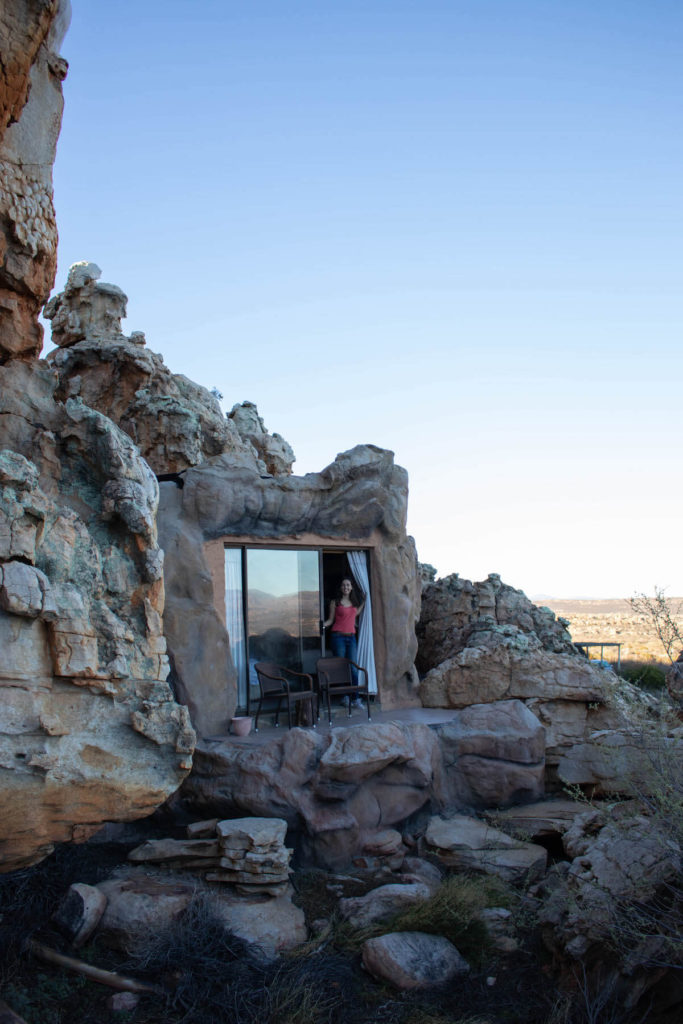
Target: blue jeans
[345, 645]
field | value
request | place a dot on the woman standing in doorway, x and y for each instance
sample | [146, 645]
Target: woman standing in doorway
[345, 610]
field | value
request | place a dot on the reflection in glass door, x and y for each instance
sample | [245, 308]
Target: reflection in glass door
[283, 607]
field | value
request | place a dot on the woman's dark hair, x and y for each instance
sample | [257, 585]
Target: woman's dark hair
[352, 596]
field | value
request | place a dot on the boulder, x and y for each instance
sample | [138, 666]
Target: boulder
[504, 662]
[541, 819]
[467, 844]
[412, 960]
[342, 791]
[493, 755]
[620, 859]
[382, 903]
[141, 905]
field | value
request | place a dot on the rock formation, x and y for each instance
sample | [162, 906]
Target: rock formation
[174, 422]
[344, 792]
[90, 730]
[486, 642]
[236, 481]
[31, 75]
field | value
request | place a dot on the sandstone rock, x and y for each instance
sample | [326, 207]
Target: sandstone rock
[504, 662]
[141, 905]
[544, 818]
[276, 455]
[80, 912]
[620, 857]
[90, 730]
[270, 926]
[31, 73]
[468, 844]
[251, 833]
[174, 422]
[416, 869]
[674, 680]
[382, 903]
[337, 790]
[493, 754]
[159, 850]
[452, 608]
[413, 960]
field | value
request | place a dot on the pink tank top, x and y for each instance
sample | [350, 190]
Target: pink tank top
[344, 619]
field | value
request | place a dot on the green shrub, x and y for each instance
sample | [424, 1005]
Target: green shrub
[647, 675]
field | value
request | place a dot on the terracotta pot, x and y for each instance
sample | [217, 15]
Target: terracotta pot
[241, 725]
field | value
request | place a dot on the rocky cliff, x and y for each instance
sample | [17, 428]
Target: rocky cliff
[90, 731]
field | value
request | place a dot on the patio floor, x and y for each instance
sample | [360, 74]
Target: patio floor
[340, 719]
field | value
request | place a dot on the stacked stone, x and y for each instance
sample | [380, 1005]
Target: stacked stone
[248, 853]
[253, 856]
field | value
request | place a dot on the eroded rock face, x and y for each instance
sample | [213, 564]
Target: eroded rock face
[90, 729]
[453, 608]
[174, 422]
[611, 906]
[486, 642]
[31, 74]
[276, 454]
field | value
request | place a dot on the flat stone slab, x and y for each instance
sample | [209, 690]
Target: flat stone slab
[412, 960]
[468, 844]
[256, 833]
[543, 818]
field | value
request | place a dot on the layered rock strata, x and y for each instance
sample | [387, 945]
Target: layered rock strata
[31, 75]
[90, 731]
[487, 643]
[246, 853]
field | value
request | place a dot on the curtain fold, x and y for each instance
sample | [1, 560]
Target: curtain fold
[234, 619]
[358, 561]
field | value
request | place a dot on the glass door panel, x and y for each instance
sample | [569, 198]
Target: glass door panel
[234, 619]
[283, 608]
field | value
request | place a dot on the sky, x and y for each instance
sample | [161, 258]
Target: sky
[450, 228]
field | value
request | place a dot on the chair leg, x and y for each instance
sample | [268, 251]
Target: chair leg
[289, 714]
[329, 707]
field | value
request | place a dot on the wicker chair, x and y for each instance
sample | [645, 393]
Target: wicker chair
[335, 679]
[273, 685]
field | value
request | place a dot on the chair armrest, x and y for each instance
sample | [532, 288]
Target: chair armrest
[363, 670]
[299, 675]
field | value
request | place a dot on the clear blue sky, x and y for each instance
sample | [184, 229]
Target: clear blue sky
[452, 229]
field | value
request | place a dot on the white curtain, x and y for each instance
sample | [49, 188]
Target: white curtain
[234, 619]
[358, 561]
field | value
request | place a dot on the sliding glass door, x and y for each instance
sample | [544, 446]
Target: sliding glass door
[283, 607]
[276, 594]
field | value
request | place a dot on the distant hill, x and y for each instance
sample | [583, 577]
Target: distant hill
[612, 620]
